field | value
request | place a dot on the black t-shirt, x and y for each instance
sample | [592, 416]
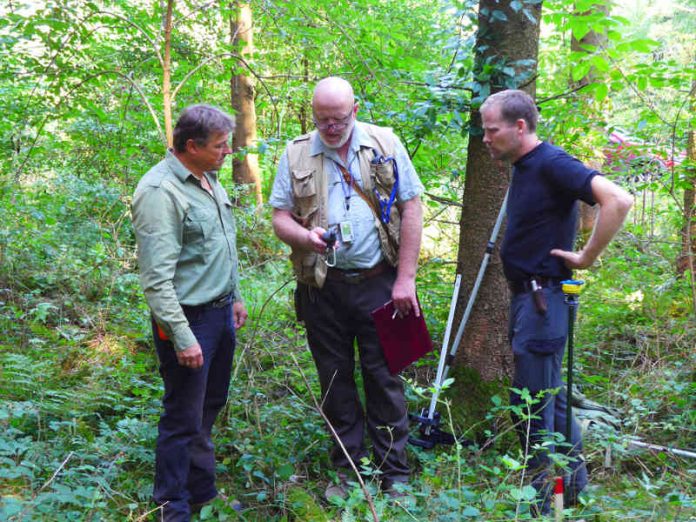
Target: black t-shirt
[542, 212]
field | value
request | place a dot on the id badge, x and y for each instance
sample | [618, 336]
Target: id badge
[346, 229]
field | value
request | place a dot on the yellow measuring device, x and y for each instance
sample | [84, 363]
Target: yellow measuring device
[572, 286]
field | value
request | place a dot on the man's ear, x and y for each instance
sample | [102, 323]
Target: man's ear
[191, 146]
[521, 125]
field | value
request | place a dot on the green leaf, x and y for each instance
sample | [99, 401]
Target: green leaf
[526, 493]
[601, 91]
[528, 14]
[580, 71]
[498, 15]
[470, 511]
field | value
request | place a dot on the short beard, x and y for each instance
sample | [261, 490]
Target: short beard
[347, 133]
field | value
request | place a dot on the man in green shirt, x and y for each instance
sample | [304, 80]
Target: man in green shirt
[187, 255]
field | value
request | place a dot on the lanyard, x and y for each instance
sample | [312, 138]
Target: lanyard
[346, 185]
[385, 204]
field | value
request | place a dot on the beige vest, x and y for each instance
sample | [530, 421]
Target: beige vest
[310, 196]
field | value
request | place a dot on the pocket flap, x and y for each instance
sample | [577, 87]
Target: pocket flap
[302, 174]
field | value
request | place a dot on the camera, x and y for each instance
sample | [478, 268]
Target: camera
[329, 238]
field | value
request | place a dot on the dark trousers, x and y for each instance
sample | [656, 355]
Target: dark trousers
[336, 316]
[184, 456]
[538, 344]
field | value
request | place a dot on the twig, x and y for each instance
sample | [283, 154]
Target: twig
[368, 497]
[446, 201]
[46, 484]
[55, 473]
[252, 337]
[145, 516]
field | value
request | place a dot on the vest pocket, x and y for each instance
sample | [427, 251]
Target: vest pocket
[303, 183]
[383, 177]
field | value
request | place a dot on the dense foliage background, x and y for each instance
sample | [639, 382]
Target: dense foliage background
[81, 95]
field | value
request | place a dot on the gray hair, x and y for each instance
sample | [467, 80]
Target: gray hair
[514, 105]
[198, 122]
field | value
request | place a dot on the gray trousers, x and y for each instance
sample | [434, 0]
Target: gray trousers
[538, 342]
[336, 316]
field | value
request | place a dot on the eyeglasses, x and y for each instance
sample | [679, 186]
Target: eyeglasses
[338, 124]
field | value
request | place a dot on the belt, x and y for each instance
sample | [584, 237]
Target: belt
[220, 302]
[525, 285]
[357, 275]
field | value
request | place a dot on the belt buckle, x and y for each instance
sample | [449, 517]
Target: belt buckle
[353, 277]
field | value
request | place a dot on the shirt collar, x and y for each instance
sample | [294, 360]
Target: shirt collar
[178, 168]
[358, 139]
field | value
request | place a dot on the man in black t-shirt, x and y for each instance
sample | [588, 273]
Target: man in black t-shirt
[537, 253]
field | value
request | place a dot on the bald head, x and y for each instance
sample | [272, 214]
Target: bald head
[334, 110]
[333, 92]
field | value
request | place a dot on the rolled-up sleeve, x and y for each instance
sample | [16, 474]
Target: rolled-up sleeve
[158, 225]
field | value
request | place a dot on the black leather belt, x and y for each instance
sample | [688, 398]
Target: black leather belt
[525, 285]
[220, 302]
[355, 276]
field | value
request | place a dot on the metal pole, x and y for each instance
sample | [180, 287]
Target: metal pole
[572, 308]
[571, 289]
[479, 277]
[445, 361]
[443, 354]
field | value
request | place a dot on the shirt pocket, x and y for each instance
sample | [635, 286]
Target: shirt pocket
[198, 225]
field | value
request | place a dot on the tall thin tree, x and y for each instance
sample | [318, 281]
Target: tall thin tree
[245, 164]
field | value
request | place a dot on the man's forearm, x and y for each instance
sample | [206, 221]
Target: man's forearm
[410, 238]
[290, 231]
[614, 204]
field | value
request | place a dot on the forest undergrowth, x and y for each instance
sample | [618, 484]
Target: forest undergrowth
[80, 389]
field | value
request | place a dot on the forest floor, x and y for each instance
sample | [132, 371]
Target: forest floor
[81, 391]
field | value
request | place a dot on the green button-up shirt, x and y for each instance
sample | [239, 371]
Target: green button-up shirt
[186, 244]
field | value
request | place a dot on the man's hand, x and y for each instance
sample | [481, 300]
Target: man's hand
[191, 357]
[314, 240]
[573, 260]
[404, 296]
[291, 232]
[239, 314]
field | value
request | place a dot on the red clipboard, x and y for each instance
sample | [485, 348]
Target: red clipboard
[403, 339]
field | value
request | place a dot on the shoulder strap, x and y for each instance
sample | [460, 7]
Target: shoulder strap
[370, 202]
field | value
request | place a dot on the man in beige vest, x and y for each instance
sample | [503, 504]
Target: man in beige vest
[356, 181]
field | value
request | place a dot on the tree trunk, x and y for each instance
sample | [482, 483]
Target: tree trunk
[245, 165]
[167, 75]
[589, 44]
[484, 347]
[686, 259]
